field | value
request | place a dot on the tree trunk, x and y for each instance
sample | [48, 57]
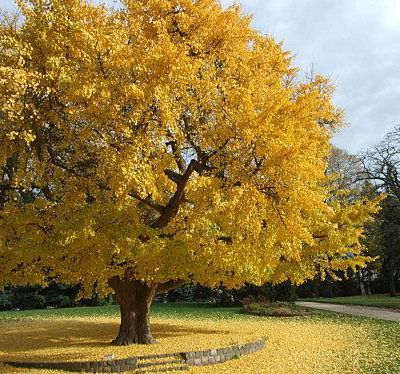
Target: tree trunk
[134, 299]
[392, 280]
[392, 284]
[361, 281]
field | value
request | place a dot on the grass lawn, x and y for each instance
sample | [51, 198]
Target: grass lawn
[169, 310]
[322, 342]
[382, 301]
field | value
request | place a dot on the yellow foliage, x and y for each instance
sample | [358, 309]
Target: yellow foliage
[166, 137]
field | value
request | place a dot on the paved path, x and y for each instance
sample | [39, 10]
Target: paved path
[355, 310]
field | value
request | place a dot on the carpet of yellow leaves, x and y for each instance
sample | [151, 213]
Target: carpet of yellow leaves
[296, 345]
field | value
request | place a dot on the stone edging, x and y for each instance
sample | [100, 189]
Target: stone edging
[144, 364]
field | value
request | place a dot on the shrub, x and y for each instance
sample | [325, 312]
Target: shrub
[5, 300]
[273, 309]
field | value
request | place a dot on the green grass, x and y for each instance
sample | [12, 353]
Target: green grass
[190, 310]
[179, 310]
[382, 301]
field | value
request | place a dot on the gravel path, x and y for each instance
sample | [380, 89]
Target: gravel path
[355, 310]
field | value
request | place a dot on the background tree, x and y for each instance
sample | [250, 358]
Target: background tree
[367, 176]
[161, 143]
[381, 166]
[345, 170]
[389, 235]
[382, 240]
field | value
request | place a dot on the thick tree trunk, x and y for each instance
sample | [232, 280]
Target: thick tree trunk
[134, 299]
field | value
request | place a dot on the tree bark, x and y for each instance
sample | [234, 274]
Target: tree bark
[134, 299]
[391, 275]
[392, 284]
[360, 278]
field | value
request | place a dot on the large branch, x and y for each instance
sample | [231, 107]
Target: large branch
[172, 207]
[117, 281]
[173, 176]
[170, 285]
[148, 201]
[180, 161]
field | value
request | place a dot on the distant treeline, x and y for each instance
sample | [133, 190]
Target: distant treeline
[54, 296]
[62, 296]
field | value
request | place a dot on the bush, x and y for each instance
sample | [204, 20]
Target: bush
[5, 300]
[53, 296]
[204, 294]
[59, 295]
[184, 293]
[285, 292]
[280, 292]
[227, 298]
[27, 298]
[262, 307]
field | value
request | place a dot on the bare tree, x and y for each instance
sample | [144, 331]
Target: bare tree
[381, 166]
[346, 169]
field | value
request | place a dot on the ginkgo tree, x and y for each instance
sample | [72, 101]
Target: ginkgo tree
[160, 143]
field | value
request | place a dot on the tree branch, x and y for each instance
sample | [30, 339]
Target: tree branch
[180, 161]
[148, 201]
[58, 163]
[172, 175]
[170, 285]
[172, 207]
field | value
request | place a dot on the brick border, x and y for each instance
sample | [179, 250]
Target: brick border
[215, 356]
[182, 360]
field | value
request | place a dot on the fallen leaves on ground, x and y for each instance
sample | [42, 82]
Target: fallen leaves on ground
[294, 345]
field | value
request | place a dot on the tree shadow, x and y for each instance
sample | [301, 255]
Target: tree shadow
[28, 340]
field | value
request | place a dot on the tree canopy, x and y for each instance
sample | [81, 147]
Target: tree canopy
[167, 140]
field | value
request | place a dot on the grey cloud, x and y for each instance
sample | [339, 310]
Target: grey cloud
[356, 44]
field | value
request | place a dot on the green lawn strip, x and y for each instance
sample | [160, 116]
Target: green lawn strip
[380, 301]
[169, 310]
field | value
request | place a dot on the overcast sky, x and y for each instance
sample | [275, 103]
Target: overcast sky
[354, 42]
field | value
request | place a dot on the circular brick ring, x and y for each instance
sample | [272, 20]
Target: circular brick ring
[153, 363]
